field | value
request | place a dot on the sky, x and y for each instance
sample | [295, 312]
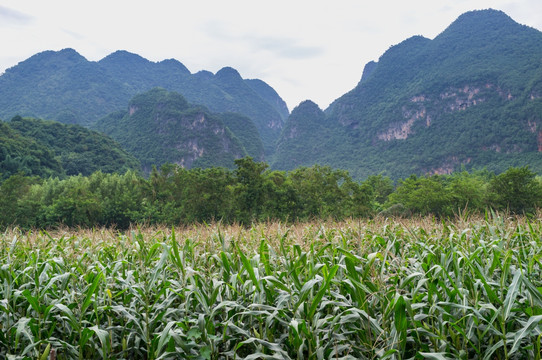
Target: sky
[304, 49]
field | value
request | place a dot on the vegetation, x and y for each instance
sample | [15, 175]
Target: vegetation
[64, 86]
[251, 193]
[162, 127]
[311, 263]
[48, 148]
[471, 98]
[469, 289]
[304, 138]
[246, 132]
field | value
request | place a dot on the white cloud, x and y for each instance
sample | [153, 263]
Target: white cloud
[10, 17]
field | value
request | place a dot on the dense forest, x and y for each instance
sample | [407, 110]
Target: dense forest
[174, 195]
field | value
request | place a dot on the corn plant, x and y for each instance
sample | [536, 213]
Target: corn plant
[416, 289]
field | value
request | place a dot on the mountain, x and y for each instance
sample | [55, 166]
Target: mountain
[50, 148]
[162, 127]
[305, 138]
[470, 98]
[64, 86]
[270, 95]
[246, 132]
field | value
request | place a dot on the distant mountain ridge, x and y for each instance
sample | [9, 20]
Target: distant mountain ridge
[470, 98]
[64, 86]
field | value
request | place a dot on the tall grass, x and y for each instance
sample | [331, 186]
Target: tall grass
[415, 289]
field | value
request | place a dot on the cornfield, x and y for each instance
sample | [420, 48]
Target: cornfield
[378, 289]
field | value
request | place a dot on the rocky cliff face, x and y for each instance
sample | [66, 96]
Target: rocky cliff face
[162, 127]
[451, 100]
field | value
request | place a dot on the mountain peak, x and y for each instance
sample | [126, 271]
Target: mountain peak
[307, 105]
[49, 59]
[174, 65]
[480, 23]
[487, 15]
[467, 99]
[368, 70]
[67, 54]
[306, 112]
[124, 57]
[229, 74]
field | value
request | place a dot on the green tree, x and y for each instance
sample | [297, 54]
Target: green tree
[282, 201]
[516, 190]
[207, 195]
[324, 192]
[382, 187]
[249, 189]
[422, 195]
[11, 191]
[468, 192]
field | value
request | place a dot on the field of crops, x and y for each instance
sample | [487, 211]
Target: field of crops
[405, 289]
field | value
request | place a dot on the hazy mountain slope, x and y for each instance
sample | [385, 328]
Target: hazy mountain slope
[270, 95]
[470, 97]
[306, 137]
[61, 86]
[140, 74]
[226, 91]
[246, 132]
[161, 126]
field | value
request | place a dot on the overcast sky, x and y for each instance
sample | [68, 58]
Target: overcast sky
[304, 49]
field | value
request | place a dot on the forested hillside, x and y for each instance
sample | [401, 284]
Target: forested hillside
[470, 98]
[161, 127]
[49, 148]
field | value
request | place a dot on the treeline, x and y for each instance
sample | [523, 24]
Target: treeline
[173, 195]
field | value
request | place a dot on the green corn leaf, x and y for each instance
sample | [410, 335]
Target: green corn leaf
[322, 290]
[23, 329]
[511, 295]
[46, 352]
[225, 262]
[400, 319]
[103, 336]
[535, 292]
[74, 323]
[32, 300]
[164, 337]
[435, 356]
[86, 334]
[489, 352]
[176, 255]
[90, 291]
[264, 257]
[524, 332]
[13, 245]
[248, 267]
